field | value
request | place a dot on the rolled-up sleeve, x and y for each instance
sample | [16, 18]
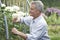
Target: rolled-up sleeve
[37, 34]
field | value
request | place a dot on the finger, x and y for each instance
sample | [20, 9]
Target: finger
[13, 29]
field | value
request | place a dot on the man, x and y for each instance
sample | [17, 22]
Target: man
[36, 22]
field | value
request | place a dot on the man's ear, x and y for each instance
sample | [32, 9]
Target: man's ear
[38, 11]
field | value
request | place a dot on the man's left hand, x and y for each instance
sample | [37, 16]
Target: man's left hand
[15, 31]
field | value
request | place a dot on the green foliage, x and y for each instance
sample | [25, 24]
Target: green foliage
[51, 3]
[54, 32]
[20, 27]
[54, 26]
[53, 19]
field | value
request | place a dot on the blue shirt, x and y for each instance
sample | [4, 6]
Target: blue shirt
[38, 28]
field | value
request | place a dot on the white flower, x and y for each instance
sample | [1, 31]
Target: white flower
[21, 13]
[12, 9]
[3, 5]
[8, 8]
[15, 8]
[18, 15]
[14, 15]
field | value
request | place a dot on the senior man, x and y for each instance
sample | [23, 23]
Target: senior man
[36, 23]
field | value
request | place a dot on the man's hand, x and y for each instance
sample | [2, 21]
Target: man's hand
[15, 31]
[15, 17]
[21, 34]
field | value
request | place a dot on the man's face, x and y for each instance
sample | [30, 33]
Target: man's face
[33, 11]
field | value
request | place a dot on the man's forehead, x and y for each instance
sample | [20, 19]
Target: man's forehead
[32, 5]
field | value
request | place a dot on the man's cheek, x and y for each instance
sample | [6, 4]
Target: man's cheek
[31, 12]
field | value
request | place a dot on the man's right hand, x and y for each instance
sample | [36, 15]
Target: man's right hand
[15, 18]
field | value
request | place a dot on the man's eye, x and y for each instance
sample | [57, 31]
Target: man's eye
[32, 9]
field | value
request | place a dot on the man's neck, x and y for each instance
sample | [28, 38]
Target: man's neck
[36, 17]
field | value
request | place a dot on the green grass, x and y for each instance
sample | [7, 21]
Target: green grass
[55, 37]
[54, 32]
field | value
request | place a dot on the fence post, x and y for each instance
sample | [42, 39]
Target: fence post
[5, 22]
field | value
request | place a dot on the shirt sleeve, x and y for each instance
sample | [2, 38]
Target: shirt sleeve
[37, 34]
[26, 20]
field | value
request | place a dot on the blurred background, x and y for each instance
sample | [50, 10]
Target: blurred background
[8, 7]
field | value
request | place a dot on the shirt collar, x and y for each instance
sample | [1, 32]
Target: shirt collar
[38, 18]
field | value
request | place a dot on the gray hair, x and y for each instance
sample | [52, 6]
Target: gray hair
[39, 5]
